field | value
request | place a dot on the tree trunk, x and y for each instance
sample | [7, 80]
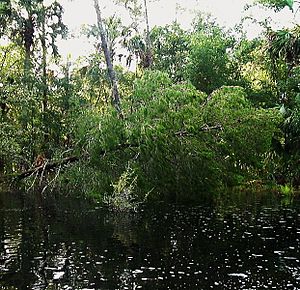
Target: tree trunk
[112, 75]
[148, 57]
[44, 67]
[28, 35]
[44, 86]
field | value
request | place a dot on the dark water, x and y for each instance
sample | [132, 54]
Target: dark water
[250, 244]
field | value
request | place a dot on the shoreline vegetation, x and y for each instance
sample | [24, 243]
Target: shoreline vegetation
[205, 112]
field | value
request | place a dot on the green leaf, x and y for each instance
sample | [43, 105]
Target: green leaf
[297, 99]
[290, 3]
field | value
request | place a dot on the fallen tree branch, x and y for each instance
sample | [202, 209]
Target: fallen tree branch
[40, 170]
[65, 161]
[47, 167]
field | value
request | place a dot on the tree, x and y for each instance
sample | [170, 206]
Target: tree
[11, 104]
[171, 49]
[144, 49]
[34, 27]
[283, 49]
[112, 75]
[210, 64]
[252, 71]
[115, 33]
[6, 13]
[31, 21]
[148, 57]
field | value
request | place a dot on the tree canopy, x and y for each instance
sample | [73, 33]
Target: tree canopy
[202, 110]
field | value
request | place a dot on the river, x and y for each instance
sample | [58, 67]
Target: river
[246, 243]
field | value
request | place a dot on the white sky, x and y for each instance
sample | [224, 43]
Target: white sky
[162, 12]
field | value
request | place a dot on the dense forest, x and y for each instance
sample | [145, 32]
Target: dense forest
[203, 111]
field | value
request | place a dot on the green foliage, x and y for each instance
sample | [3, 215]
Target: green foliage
[39, 20]
[285, 44]
[123, 196]
[277, 5]
[170, 46]
[156, 113]
[201, 120]
[209, 66]
[14, 109]
[82, 180]
[10, 147]
[174, 141]
[5, 12]
[291, 127]
[247, 132]
[284, 49]
[286, 190]
[24, 122]
[253, 72]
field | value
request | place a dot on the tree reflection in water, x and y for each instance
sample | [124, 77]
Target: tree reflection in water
[250, 245]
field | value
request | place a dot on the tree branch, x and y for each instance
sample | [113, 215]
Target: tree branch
[204, 128]
[47, 167]
[65, 161]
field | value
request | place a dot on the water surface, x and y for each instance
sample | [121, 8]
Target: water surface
[59, 244]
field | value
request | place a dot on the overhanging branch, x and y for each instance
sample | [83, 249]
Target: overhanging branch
[47, 167]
